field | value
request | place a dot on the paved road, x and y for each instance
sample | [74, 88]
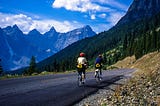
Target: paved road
[53, 90]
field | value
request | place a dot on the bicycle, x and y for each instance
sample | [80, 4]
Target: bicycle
[81, 79]
[97, 75]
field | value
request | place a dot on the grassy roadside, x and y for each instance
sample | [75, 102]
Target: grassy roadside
[7, 76]
[144, 88]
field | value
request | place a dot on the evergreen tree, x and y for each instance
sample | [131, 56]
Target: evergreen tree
[56, 66]
[154, 39]
[148, 43]
[158, 41]
[125, 44]
[144, 44]
[32, 67]
[104, 57]
[47, 68]
[139, 49]
[63, 66]
[1, 69]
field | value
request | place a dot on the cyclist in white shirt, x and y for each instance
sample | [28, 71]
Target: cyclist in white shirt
[81, 64]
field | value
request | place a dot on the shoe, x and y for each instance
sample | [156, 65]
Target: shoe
[83, 82]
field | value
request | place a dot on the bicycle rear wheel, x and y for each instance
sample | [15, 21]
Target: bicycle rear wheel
[97, 76]
[79, 81]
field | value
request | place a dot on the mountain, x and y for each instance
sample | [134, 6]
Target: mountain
[73, 36]
[135, 33]
[17, 48]
[140, 9]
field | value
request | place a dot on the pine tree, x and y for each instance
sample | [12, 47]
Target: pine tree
[154, 39]
[56, 66]
[125, 44]
[1, 69]
[158, 41]
[32, 67]
[138, 49]
[104, 57]
[144, 44]
[148, 42]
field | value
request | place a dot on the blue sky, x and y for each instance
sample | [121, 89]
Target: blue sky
[64, 15]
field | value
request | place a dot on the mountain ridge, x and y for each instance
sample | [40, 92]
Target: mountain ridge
[22, 46]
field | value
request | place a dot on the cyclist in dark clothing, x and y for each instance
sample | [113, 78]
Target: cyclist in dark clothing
[98, 63]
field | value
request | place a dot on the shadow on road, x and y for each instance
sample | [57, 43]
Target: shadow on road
[105, 82]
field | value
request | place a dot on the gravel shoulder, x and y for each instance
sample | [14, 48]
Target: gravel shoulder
[103, 94]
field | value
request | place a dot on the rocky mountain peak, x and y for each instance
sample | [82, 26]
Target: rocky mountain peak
[52, 29]
[140, 9]
[15, 31]
[52, 32]
[34, 32]
[15, 27]
[87, 27]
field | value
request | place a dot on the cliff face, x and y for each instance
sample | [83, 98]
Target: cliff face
[140, 9]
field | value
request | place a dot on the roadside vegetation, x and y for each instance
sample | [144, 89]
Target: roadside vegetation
[143, 89]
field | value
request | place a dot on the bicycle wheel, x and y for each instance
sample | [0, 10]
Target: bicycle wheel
[79, 80]
[83, 79]
[97, 76]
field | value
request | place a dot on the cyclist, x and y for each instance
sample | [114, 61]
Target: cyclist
[82, 64]
[98, 64]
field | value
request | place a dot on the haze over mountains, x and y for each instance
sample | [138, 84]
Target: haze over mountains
[18, 48]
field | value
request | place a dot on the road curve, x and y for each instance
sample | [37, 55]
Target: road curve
[54, 90]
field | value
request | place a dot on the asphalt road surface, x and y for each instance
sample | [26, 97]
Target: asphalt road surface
[54, 90]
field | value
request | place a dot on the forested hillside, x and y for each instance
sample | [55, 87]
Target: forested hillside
[143, 38]
[136, 38]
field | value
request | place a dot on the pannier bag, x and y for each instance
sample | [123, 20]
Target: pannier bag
[98, 65]
[79, 66]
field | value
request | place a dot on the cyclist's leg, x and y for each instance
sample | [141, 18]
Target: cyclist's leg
[100, 70]
[80, 74]
[84, 73]
[100, 73]
[96, 72]
[79, 77]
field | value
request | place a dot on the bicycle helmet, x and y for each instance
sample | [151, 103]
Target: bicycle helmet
[99, 55]
[81, 54]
